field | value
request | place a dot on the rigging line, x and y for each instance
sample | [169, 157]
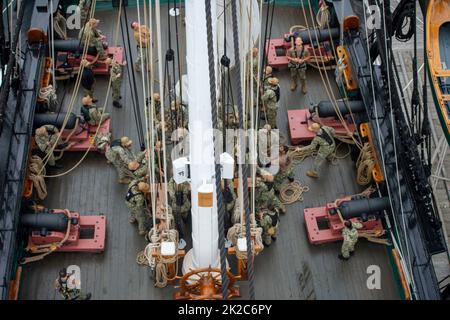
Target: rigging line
[388, 63]
[327, 83]
[72, 99]
[53, 41]
[341, 79]
[102, 110]
[140, 130]
[178, 54]
[129, 71]
[380, 142]
[252, 113]
[149, 115]
[250, 261]
[219, 195]
[144, 72]
[5, 87]
[162, 92]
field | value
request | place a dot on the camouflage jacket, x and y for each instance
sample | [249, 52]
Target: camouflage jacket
[134, 198]
[351, 235]
[116, 72]
[122, 154]
[297, 52]
[46, 141]
[270, 98]
[325, 148]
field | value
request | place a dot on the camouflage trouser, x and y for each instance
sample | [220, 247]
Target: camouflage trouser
[138, 213]
[325, 152]
[281, 176]
[141, 58]
[264, 200]
[116, 85]
[277, 204]
[298, 74]
[122, 170]
[96, 116]
[83, 16]
[98, 44]
[184, 209]
[266, 237]
[272, 117]
[51, 159]
[347, 247]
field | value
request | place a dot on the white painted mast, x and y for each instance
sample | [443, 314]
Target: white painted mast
[204, 252]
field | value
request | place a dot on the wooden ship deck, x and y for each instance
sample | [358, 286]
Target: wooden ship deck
[291, 268]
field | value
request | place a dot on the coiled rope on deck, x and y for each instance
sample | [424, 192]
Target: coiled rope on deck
[292, 192]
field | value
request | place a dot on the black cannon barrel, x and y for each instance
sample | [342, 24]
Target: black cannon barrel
[55, 119]
[72, 45]
[323, 35]
[360, 207]
[326, 108]
[48, 221]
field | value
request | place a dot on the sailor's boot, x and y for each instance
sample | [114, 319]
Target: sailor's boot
[312, 174]
[293, 85]
[304, 90]
[117, 104]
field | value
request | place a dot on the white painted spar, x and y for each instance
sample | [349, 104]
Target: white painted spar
[204, 219]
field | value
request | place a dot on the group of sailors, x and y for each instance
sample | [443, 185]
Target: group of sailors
[133, 167]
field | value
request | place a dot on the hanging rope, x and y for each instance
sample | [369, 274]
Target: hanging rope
[251, 274]
[102, 109]
[34, 167]
[324, 77]
[218, 175]
[74, 96]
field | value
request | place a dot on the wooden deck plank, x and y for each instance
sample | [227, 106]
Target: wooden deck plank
[114, 274]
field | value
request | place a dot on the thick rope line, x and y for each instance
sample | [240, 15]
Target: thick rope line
[219, 195]
[162, 93]
[102, 110]
[74, 96]
[251, 274]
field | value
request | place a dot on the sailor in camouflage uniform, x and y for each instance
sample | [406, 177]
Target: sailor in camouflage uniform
[298, 55]
[286, 169]
[91, 113]
[91, 33]
[268, 219]
[270, 100]
[179, 198]
[176, 117]
[142, 36]
[268, 73]
[135, 200]
[265, 194]
[116, 82]
[229, 197]
[120, 155]
[324, 140]
[350, 235]
[46, 137]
